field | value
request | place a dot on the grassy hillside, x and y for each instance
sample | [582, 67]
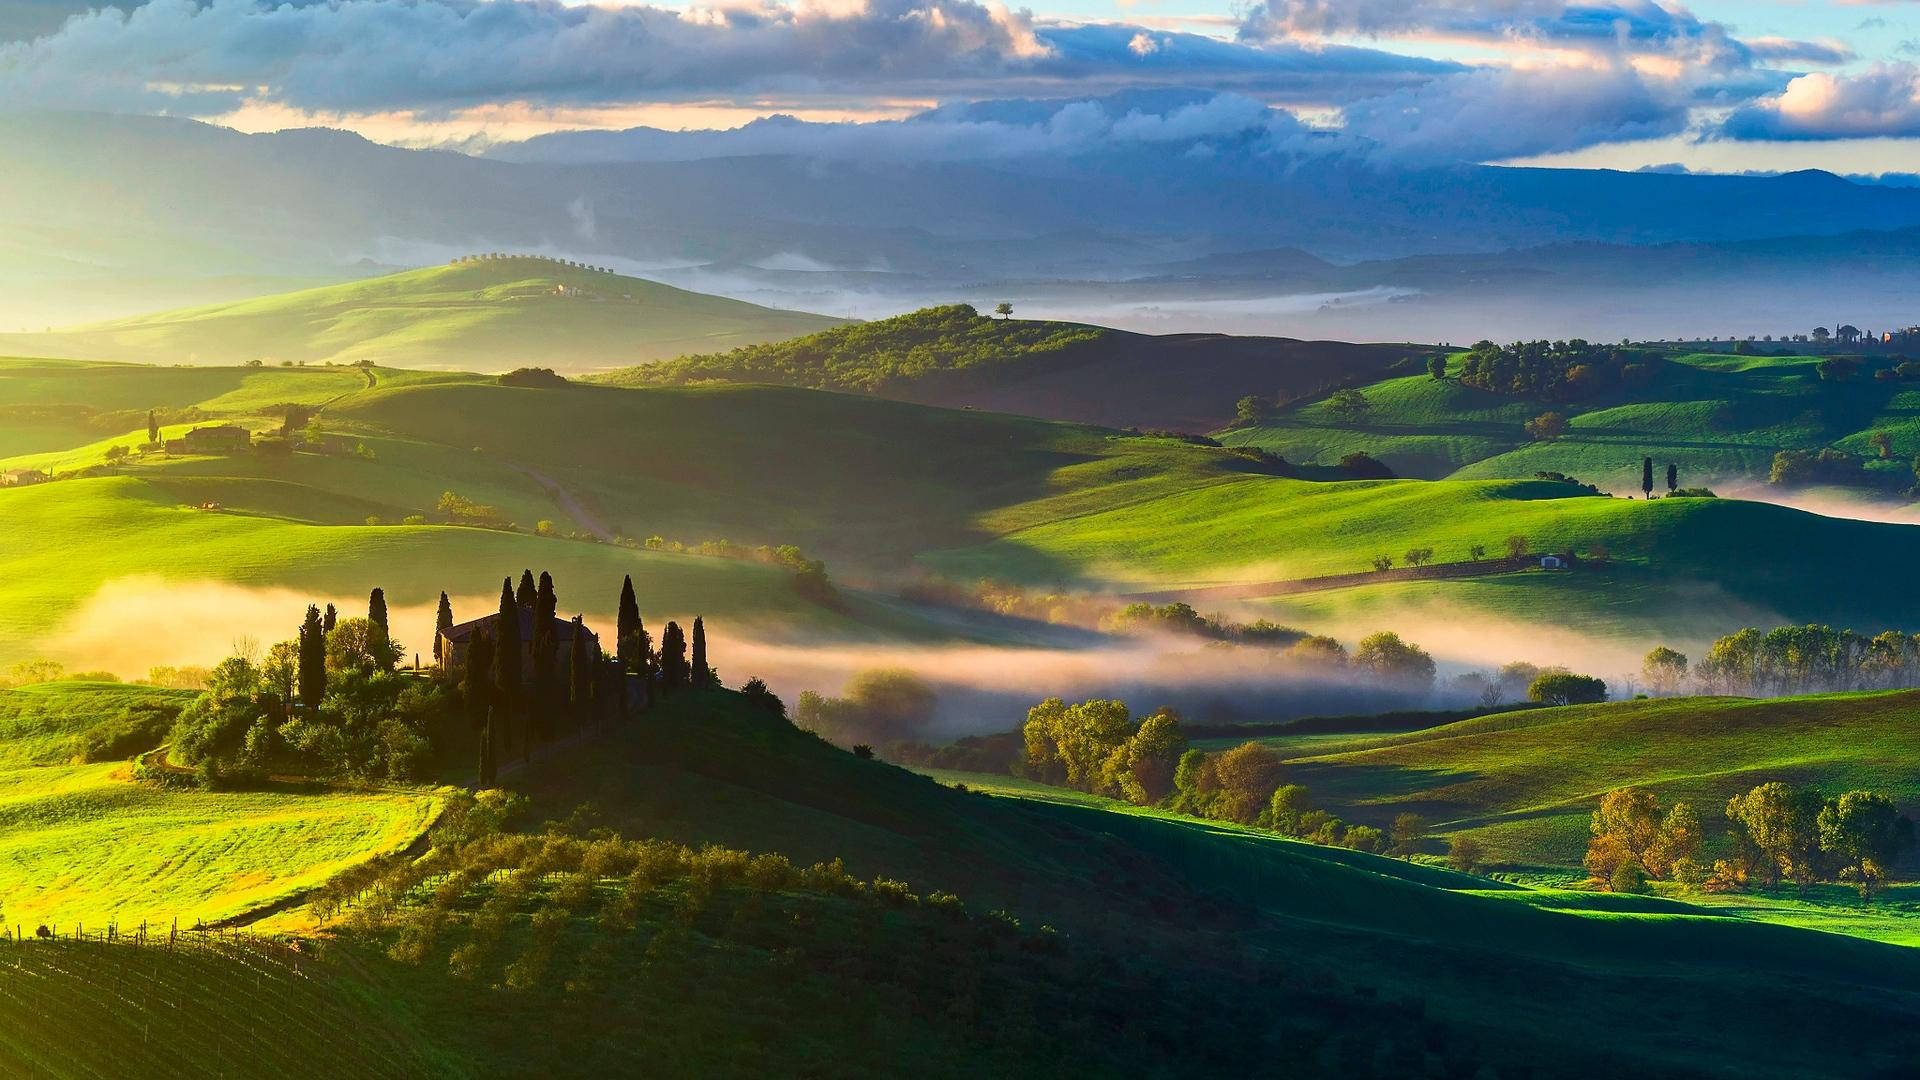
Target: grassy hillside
[954, 356]
[1167, 947]
[1718, 417]
[1678, 566]
[86, 844]
[490, 315]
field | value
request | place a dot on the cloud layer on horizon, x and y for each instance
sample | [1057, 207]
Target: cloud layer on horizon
[1580, 73]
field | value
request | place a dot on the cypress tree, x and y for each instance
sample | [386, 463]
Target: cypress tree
[479, 694]
[153, 427]
[313, 660]
[701, 675]
[673, 658]
[506, 663]
[525, 596]
[547, 693]
[1646, 476]
[626, 623]
[442, 622]
[1673, 478]
[580, 668]
[326, 623]
[382, 639]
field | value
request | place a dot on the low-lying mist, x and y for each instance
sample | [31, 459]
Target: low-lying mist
[135, 624]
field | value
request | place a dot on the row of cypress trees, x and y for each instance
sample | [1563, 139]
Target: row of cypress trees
[506, 712]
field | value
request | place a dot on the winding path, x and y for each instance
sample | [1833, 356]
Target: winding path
[565, 500]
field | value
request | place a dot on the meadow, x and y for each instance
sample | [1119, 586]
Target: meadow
[86, 845]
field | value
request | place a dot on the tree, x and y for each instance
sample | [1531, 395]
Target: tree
[1624, 827]
[442, 623]
[1249, 774]
[1882, 443]
[673, 658]
[1865, 831]
[1516, 546]
[1776, 827]
[1673, 478]
[631, 642]
[313, 659]
[1003, 309]
[1646, 477]
[1383, 562]
[1349, 406]
[701, 675]
[328, 620]
[1251, 408]
[153, 427]
[506, 665]
[1477, 552]
[580, 671]
[1664, 669]
[1464, 853]
[1437, 365]
[384, 654]
[1821, 334]
[357, 645]
[1675, 852]
[1152, 754]
[1386, 655]
[1566, 688]
[1546, 427]
[1419, 556]
[528, 593]
[1408, 832]
[477, 689]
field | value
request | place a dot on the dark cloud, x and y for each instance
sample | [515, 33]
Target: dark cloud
[367, 55]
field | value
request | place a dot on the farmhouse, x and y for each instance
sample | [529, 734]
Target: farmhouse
[455, 640]
[1552, 562]
[219, 439]
[22, 477]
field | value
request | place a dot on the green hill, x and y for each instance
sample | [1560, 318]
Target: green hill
[1168, 947]
[1720, 418]
[955, 357]
[490, 314]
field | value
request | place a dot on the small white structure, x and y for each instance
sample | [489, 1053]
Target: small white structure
[1552, 562]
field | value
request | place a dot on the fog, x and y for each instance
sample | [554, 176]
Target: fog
[1827, 502]
[134, 624]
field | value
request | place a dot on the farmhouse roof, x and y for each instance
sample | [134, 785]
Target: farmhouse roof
[562, 628]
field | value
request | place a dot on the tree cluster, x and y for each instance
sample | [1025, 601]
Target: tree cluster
[882, 706]
[1097, 746]
[1777, 832]
[1554, 370]
[1797, 660]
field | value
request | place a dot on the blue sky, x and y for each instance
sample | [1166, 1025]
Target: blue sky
[1765, 85]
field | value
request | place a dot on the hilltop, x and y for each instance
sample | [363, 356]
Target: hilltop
[486, 313]
[956, 357]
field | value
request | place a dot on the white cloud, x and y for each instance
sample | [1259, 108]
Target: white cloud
[1884, 100]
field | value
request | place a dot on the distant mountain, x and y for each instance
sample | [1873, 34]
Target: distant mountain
[955, 357]
[1209, 232]
[485, 314]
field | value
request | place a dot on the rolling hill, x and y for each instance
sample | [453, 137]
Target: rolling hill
[955, 357]
[487, 314]
[1147, 944]
[882, 490]
[1719, 417]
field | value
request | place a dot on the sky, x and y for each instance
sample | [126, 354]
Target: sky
[1761, 85]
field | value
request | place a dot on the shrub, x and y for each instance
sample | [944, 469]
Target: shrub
[1566, 688]
[138, 729]
[1464, 854]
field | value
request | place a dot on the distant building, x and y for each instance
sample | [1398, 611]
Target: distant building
[22, 477]
[1552, 562]
[219, 439]
[454, 643]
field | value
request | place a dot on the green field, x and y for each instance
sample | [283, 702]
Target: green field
[491, 315]
[1720, 418]
[84, 844]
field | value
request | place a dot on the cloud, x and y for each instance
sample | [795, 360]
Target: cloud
[978, 131]
[1627, 27]
[1883, 101]
[373, 55]
[1496, 113]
